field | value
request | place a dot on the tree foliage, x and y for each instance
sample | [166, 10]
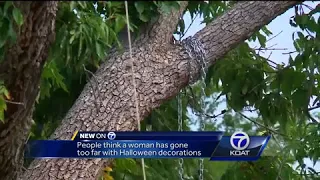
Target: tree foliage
[11, 20]
[280, 94]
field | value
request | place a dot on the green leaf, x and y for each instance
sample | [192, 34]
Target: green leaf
[68, 54]
[72, 5]
[300, 98]
[297, 46]
[253, 37]
[2, 42]
[264, 107]
[83, 4]
[286, 81]
[181, 26]
[72, 31]
[139, 6]
[72, 38]
[120, 22]
[80, 45]
[304, 19]
[266, 30]
[12, 34]
[4, 29]
[6, 7]
[165, 7]
[176, 5]
[300, 35]
[262, 39]
[144, 18]
[6, 93]
[3, 105]
[244, 89]
[2, 115]
[99, 50]
[17, 16]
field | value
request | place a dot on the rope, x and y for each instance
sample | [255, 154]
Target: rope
[134, 85]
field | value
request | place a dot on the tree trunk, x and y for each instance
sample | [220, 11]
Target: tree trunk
[162, 69]
[21, 71]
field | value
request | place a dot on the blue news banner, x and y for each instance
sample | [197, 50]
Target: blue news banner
[213, 145]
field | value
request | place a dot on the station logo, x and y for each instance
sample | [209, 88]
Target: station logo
[239, 147]
[111, 135]
[239, 142]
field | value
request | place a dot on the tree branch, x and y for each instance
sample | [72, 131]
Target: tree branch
[164, 28]
[314, 107]
[261, 125]
[238, 24]
[160, 33]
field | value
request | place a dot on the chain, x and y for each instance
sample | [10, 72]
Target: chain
[180, 128]
[196, 51]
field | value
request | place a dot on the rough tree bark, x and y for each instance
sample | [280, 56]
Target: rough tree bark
[162, 70]
[21, 71]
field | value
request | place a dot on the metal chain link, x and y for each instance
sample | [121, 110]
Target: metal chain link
[180, 128]
[196, 51]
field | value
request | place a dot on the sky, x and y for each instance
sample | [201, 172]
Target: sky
[282, 41]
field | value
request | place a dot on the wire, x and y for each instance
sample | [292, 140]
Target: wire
[134, 84]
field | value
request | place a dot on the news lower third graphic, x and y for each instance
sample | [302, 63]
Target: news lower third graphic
[214, 145]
